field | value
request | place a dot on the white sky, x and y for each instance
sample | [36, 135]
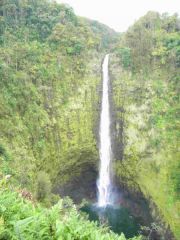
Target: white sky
[120, 14]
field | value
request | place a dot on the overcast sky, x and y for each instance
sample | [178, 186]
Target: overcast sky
[120, 14]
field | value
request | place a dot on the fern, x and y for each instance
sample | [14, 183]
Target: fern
[23, 221]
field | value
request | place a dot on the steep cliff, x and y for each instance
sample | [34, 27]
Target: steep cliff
[145, 92]
[50, 70]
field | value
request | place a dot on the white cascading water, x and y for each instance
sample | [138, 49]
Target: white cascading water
[104, 181]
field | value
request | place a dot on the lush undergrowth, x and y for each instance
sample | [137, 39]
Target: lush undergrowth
[145, 74]
[23, 219]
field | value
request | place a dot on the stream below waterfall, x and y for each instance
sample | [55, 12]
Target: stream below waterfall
[118, 219]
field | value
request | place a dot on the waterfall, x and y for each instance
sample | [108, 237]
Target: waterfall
[104, 181]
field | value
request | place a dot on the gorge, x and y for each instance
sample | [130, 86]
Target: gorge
[60, 123]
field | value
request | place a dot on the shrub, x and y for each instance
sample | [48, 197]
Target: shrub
[19, 219]
[43, 186]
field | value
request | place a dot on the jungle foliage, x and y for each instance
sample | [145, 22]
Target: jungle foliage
[25, 219]
[50, 62]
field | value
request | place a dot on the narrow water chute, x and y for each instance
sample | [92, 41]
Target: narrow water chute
[104, 181]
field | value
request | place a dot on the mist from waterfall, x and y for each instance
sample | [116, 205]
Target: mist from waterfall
[104, 181]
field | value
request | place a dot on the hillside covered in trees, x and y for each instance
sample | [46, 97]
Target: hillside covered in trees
[50, 64]
[145, 85]
[50, 95]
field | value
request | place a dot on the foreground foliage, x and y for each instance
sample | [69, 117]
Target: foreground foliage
[21, 219]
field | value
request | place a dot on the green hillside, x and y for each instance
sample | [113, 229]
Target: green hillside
[50, 63]
[145, 74]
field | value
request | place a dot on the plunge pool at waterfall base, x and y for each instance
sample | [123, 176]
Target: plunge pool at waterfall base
[119, 219]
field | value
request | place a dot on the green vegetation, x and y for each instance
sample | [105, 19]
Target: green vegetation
[50, 64]
[26, 220]
[50, 76]
[49, 71]
[145, 73]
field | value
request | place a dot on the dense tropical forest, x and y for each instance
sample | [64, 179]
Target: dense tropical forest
[50, 99]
